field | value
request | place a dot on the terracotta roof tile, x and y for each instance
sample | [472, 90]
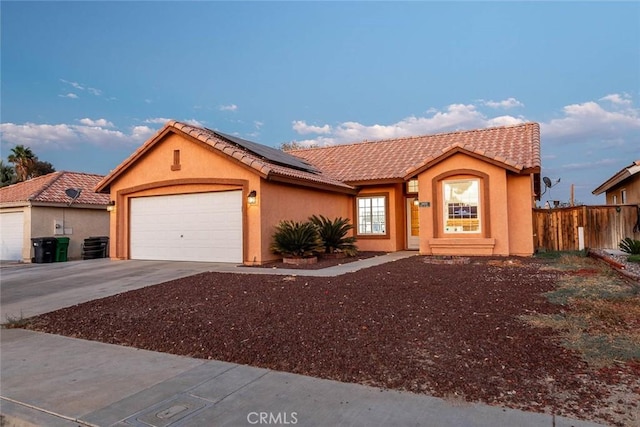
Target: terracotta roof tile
[51, 188]
[516, 146]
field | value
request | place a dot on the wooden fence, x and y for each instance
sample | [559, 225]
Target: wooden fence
[602, 227]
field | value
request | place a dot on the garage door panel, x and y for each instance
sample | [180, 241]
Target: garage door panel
[11, 236]
[188, 227]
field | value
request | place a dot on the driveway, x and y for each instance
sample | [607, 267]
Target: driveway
[32, 289]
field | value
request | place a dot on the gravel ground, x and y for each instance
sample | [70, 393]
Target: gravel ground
[630, 269]
[446, 330]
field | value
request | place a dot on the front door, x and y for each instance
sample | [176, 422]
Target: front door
[413, 229]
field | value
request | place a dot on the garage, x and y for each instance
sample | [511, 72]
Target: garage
[187, 227]
[12, 232]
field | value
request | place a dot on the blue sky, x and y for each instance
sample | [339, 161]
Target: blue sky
[85, 83]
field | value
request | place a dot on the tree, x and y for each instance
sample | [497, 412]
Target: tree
[7, 176]
[26, 164]
[23, 161]
[42, 168]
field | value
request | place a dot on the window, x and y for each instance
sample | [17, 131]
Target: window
[176, 160]
[372, 215]
[412, 186]
[615, 199]
[623, 197]
[461, 206]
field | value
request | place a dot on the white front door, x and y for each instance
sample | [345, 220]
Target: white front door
[187, 227]
[413, 229]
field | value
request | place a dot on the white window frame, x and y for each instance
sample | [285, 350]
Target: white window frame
[465, 215]
[623, 196]
[372, 215]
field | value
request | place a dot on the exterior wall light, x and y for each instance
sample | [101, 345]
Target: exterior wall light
[111, 206]
[416, 202]
[252, 198]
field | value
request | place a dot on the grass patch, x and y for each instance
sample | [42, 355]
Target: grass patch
[560, 254]
[601, 311]
[15, 322]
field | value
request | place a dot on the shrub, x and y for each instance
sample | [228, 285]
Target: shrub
[296, 239]
[630, 246]
[333, 235]
[634, 258]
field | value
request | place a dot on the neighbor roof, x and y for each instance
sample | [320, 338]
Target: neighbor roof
[618, 178]
[516, 148]
[270, 163]
[51, 188]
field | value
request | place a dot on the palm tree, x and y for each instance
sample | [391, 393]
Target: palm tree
[7, 177]
[23, 161]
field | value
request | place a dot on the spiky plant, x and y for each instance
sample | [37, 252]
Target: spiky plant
[630, 246]
[296, 239]
[333, 234]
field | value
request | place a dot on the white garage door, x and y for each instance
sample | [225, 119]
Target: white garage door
[187, 227]
[12, 235]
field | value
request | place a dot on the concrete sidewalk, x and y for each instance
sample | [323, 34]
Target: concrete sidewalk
[51, 380]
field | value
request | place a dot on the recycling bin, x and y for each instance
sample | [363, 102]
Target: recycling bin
[62, 249]
[44, 249]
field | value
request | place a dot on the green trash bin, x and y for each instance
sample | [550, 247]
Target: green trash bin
[61, 249]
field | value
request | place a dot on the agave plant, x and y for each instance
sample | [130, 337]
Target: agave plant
[630, 246]
[296, 239]
[333, 235]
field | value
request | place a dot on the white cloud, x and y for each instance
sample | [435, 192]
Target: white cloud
[258, 124]
[36, 135]
[303, 128]
[98, 123]
[194, 122]
[157, 120]
[616, 98]
[82, 86]
[73, 84]
[69, 95]
[506, 103]
[231, 107]
[454, 117]
[590, 119]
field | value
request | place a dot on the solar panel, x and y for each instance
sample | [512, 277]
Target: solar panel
[269, 153]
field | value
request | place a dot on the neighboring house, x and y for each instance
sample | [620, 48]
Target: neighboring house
[622, 188]
[190, 193]
[40, 207]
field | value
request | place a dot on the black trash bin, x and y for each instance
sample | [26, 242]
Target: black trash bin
[95, 247]
[44, 249]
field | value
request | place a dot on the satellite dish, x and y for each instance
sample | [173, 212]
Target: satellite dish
[73, 193]
[547, 181]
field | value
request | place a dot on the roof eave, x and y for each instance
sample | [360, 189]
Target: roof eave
[274, 177]
[460, 150]
[612, 182]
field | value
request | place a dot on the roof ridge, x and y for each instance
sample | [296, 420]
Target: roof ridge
[407, 138]
[47, 184]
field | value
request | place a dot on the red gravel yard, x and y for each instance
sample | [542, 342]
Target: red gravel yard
[454, 331]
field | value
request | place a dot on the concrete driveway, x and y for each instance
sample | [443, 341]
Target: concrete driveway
[32, 289]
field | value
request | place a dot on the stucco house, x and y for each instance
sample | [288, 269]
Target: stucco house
[622, 188]
[40, 207]
[190, 193]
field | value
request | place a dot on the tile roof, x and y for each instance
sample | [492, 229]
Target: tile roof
[51, 188]
[618, 178]
[515, 147]
[278, 169]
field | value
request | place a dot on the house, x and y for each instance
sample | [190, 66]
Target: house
[190, 193]
[40, 207]
[623, 187]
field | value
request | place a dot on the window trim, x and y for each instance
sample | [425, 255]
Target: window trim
[623, 196]
[485, 202]
[445, 207]
[359, 235]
